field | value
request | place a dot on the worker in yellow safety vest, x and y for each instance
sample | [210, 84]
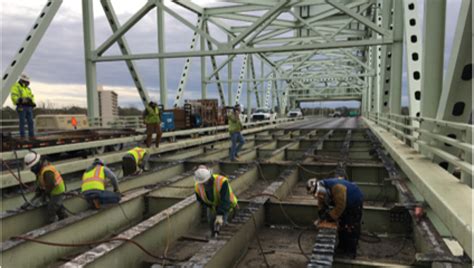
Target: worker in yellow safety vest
[24, 100]
[152, 119]
[50, 186]
[135, 161]
[94, 185]
[214, 192]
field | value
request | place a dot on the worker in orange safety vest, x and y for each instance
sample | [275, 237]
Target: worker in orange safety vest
[50, 186]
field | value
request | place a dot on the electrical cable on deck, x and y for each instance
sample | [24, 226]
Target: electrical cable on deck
[96, 242]
[258, 242]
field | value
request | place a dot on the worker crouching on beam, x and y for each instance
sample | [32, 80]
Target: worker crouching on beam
[214, 192]
[50, 186]
[93, 185]
[340, 201]
[135, 161]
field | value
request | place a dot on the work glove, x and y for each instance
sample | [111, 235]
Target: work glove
[19, 101]
[324, 214]
[219, 220]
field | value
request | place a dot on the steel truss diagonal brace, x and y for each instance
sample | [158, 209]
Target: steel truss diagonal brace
[258, 23]
[269, 90]
[184, 76]
[124, 48]
[254, 82]
[358, 17]
[241, 77]
[28, 47]
[214, 67]
[125, 27]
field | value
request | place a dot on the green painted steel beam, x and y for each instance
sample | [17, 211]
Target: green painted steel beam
[248, 50]
[28, 47]
[441, 190]
[376, 219]
[90, 65]
[69, 167]
[16, 223]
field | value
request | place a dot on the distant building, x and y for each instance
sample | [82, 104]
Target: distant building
[108, 105]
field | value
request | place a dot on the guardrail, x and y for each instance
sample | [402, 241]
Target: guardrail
[423, 134]
[120, 122]
[110, 142]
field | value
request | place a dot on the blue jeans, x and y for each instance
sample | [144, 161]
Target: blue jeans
[105, 197]
[236, 137]
[26, 112]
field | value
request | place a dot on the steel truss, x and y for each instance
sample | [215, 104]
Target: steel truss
[308, 50]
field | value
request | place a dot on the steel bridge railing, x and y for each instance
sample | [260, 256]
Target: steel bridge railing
[427, 140]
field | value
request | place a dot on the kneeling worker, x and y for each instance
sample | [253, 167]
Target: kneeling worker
[50, 186]
[93, 185]
[341, 201]
[214, 192]
[134, 162]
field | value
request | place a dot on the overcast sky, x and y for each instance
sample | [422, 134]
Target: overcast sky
[57, 67]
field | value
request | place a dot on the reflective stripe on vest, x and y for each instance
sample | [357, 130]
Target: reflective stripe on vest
[137, 154]
[94, 179]
[59, 186]
[218, 182]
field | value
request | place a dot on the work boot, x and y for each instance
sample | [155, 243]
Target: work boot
[351, 248]
[62, 214]
[96, 203]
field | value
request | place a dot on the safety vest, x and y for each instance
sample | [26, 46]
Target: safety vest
[138, 154]
[218, 182]
[93, 179]
[19, 91]
[59, 186]
[153, 115]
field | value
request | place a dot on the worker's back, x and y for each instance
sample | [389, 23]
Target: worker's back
[353, 194]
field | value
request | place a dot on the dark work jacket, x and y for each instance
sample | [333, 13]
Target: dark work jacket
[340, 189]
[225, 204]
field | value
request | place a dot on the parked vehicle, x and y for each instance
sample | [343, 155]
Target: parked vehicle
[335, 114]
[295, 113]
[263, 114]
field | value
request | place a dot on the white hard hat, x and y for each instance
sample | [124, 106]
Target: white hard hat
[202, 174]
[31, 159]
[25, 77]
[311, 185]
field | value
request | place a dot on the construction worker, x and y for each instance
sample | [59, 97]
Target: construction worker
[151, 116]
[214, 192]
[235, 126]
[50, 186]
[93, 185]
[24, 100]
[135, 161]
[341, 201]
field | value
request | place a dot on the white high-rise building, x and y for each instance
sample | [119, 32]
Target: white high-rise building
[108, 105]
